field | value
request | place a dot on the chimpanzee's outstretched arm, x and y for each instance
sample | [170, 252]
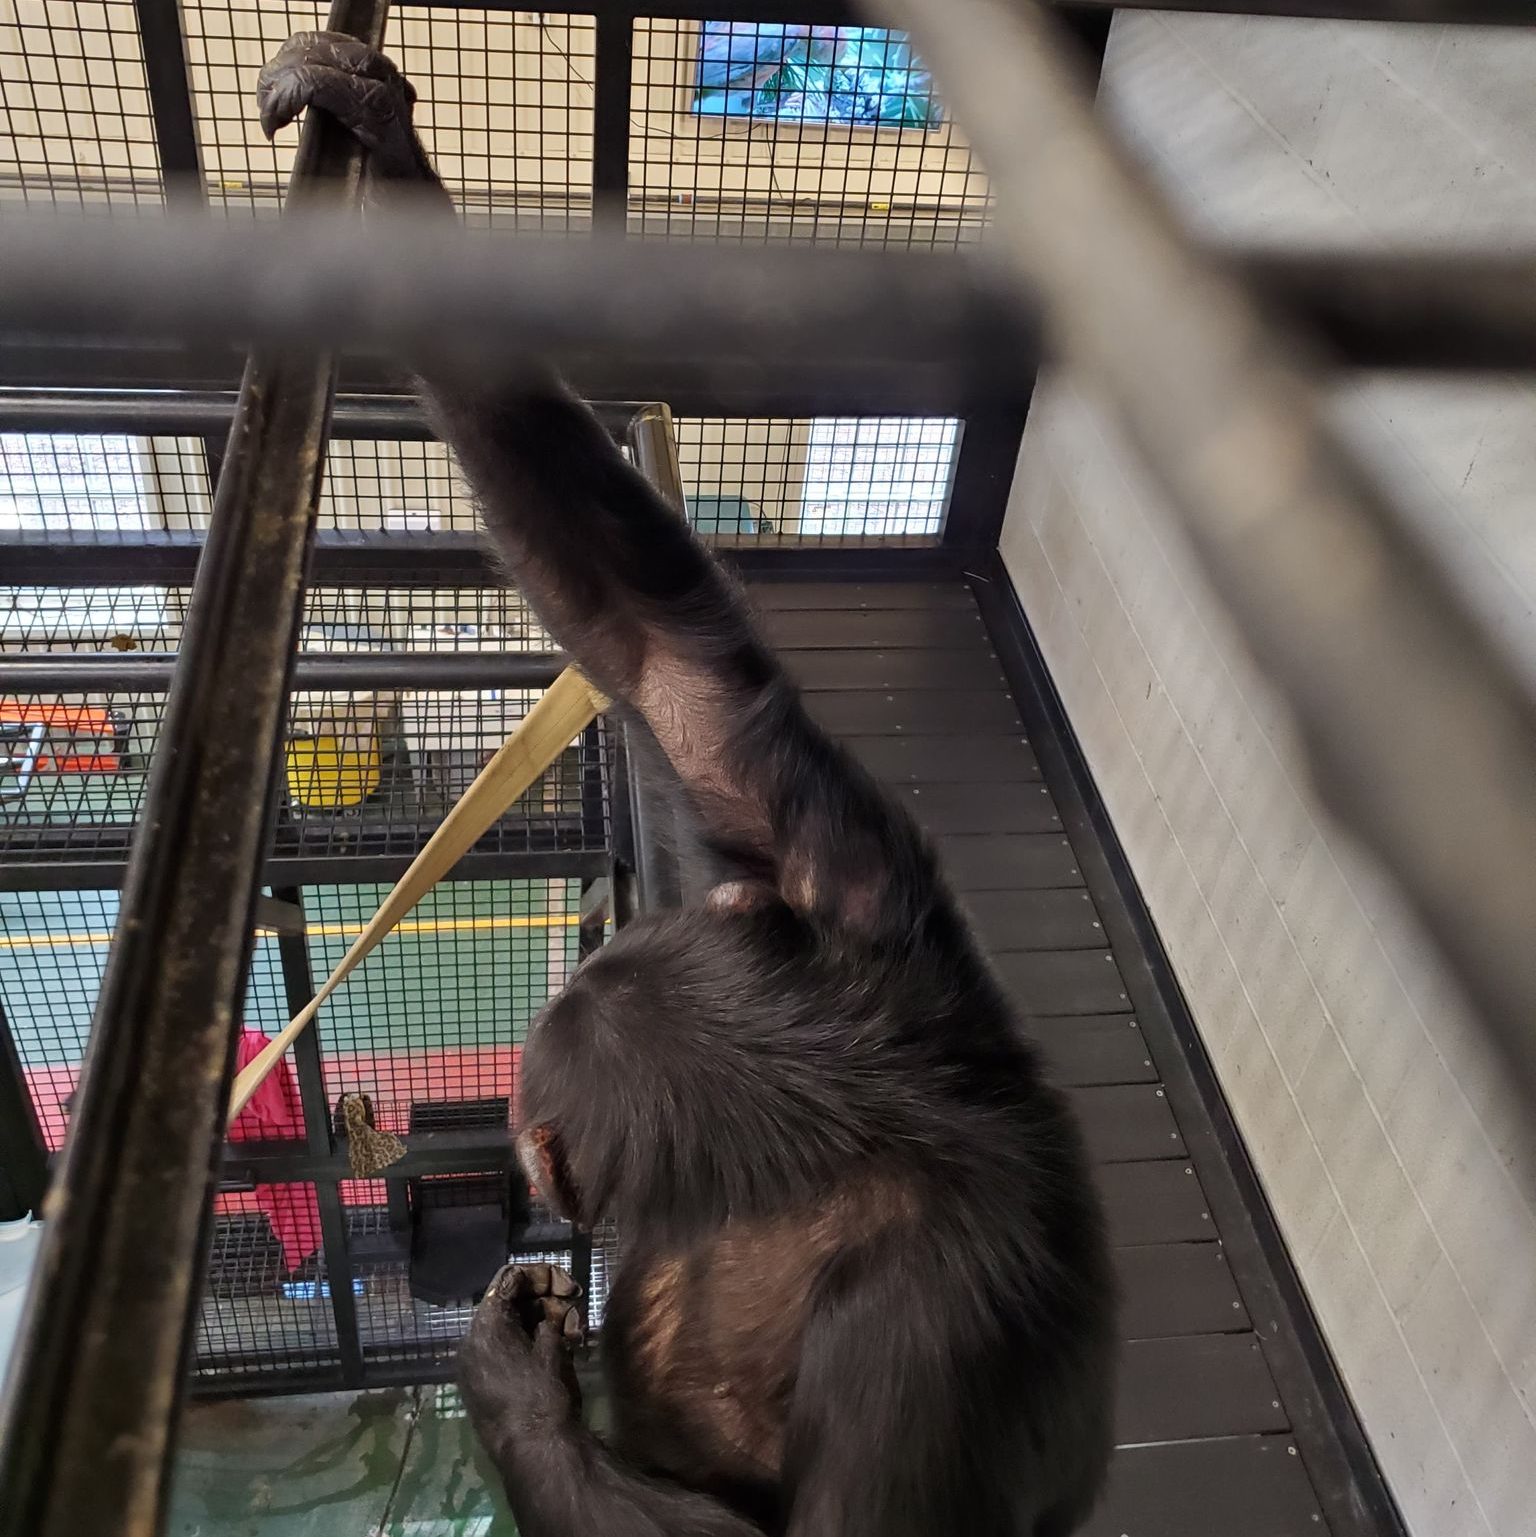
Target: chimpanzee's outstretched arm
[617, 577]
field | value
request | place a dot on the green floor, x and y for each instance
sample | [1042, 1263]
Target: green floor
[397, 1463]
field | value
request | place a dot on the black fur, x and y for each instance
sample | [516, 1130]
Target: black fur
[868, 1293]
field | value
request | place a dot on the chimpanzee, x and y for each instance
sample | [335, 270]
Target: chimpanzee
[868, 1291]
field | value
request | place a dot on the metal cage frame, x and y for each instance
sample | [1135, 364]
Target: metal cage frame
[102, 1368]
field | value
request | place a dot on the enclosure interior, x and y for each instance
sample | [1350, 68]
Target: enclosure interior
[867, 531]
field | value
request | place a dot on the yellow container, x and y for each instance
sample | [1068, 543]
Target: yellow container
[330, 773]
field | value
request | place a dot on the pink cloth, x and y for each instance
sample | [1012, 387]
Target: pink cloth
[274, 1112]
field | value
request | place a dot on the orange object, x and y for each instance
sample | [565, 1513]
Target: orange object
[88, 722]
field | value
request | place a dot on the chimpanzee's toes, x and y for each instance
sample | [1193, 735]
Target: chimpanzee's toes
[539, 1293]
[354, 83]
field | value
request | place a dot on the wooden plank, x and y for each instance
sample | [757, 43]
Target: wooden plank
[1056, 921]
[1201, 1385]
[1093, 1048]
[1171, 1289]
[992, 870]
[1239, 1486]
[944, 809]
[959, 759]
[843, 596]
[1126, 1123]
[894, 667]
[928, 629]
[1080, 978]
[1153, 1203]
[914, 712]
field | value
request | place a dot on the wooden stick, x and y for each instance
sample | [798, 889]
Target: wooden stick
[568, 707]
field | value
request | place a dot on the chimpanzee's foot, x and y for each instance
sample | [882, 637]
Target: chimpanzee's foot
[515, 1364]
[540, 1294]
[357, 86]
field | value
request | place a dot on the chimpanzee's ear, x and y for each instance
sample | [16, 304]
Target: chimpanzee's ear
[542, 1155]
[742, 897]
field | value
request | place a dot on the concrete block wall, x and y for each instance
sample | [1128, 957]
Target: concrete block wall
[1385, 1135]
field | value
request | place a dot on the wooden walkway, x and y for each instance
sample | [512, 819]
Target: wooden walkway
[907, 676]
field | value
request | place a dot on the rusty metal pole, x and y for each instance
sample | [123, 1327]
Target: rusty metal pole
[95, 1391]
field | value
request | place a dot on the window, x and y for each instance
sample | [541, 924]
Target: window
[881, 475]
[812, 74]
[56, 482]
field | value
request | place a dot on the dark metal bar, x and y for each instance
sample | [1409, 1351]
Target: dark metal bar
[45, 869]
[193, 413]
[66, 672]
[771, 387]
[1466, 13]
[94, 1393]
[213, 461]
[445, 560]
[410, 284]
[983, 477]
[594, 801]
[170, 101]
[610, 123]
[190, 413]
[280, 917]
[650, 310]
[1471, 13]
[23, 1152]
[622, 885]
[823, 12]
[435, 1152]
[298, 989]
[1402, 702]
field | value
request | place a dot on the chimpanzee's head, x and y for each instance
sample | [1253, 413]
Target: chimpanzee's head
[682, 1070]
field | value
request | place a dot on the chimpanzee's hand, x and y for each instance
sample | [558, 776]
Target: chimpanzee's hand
[515, 1365]
[357, 86]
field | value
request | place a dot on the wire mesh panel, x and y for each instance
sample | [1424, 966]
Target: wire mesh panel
[71, 488]
[72, 772]
[505, 104]
[75, 124]
[758, 132]
[852, 479]
[774, 478]
[432, 1023]
[139, 618]
[365, 771]
[435, 618]
[395, 1325]
[53, 949]
[79, 487]
[429, 617]
[266, 1298]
